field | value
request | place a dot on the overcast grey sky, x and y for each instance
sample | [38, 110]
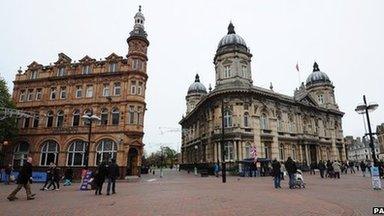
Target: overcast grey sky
[344, 37]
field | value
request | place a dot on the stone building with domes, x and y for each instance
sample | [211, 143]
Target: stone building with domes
[58, 95]
[306, 126]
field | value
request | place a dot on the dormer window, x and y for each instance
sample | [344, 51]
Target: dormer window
[61, 71]
[87, 69]
[227, 71]
[320, 98]
[244, 71]
[33, 74]
[112, 67]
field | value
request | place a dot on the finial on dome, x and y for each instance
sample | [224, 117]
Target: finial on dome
[20, 71]
[197, 78]
[271, 86]
[210, 87]
[139, 8]
[315, 67]
[231, 28]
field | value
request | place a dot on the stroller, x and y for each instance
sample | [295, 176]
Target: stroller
[299, 181]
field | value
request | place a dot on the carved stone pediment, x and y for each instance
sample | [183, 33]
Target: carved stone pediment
[34, 66]
[87, 60]
[308, 100]
[114, 58]
[63, 59]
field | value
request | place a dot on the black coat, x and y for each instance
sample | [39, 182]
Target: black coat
[102, 171]
[113, 171]
[276, 168]
[25, 174]
[321, 166]
[290, 166]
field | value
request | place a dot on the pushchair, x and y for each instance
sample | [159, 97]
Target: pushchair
[299, 180]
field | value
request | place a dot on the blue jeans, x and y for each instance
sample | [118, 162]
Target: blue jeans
[291, 179]
[7, 176]
[113, 182]
[276, 180]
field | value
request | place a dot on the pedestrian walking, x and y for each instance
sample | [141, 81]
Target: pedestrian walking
[113, 174]
[312, 167]
[276, 173]
[291, 168]
[351, 166]
[24, 180]
[329, 169]
[336, 169]
[216, 169]
[321, 168]
[55, 178]
[363, 167]
[100, 178]
[49, 177]
[282, 170]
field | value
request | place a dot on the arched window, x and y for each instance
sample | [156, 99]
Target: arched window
[106, 150]
[60, 119]
[281, 152]
[76, 118]
[227, 119]
[49, 119]
[104, 116]
[247, 150]
[115, 116]
[36, 120]
[131, 115]
[228, 148]
[49, 153]
[76, 153]
[246, 119]
[20, 154]
[264, 122]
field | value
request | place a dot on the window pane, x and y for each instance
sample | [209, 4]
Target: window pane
[78, 159]
[42, 162]
[69, 162]
[51, 158]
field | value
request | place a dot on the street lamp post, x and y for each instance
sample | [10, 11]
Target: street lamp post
[365, 109]
[223, 168]
[89, 118]
[195, 169]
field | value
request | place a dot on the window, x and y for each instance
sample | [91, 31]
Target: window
[33, 74]
[105, 151]
[104, 117]
[117, 89]
[49, 119]
[139, 87]
[227, 119]
[38, 94]
[247, 152]
[279, 124]
[61, 71]
[60, 119]
[228, 148]
[106, 90]
[133, 87]
[76, 118]
[244, 71]
[20, 154]
[115, 116]
[320, 99]
[281, 152]
[49, 153]
[76, 153]
[53, 93]
[89, 92]
[22, 96]
[79, 90]
[135, 64]
[26, 122]
[139, 116]
[264, 122]
[227, 71]
[246, 119]
[63, 93]
[36, 120]
[87, 69]
[131, 115]
[112, 67]
[30, 95]
[294, 152]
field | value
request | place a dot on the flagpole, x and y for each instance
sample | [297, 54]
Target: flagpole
[298, 71]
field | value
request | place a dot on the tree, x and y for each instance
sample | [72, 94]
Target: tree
[8, 126]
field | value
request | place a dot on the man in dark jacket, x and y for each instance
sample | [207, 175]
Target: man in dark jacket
[100, 177]
[291, 168]
[321, 168]
[113, 174]
[276, 173]
[24, 179]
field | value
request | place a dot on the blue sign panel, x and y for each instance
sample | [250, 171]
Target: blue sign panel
[36, 176]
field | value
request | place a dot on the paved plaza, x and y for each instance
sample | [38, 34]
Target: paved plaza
[180, 193]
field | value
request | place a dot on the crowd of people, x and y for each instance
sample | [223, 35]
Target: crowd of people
[109, 171]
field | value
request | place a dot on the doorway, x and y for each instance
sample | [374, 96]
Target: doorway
[132, 160]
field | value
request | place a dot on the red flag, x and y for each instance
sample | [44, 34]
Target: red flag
[297, 66]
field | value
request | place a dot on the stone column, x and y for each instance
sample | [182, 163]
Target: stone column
[343, 155]
[307, 155]
[235, 148]
[214, 152]
[275, 142]
[333, 149]
[257, 140]
[299, 148]
[219, 150]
